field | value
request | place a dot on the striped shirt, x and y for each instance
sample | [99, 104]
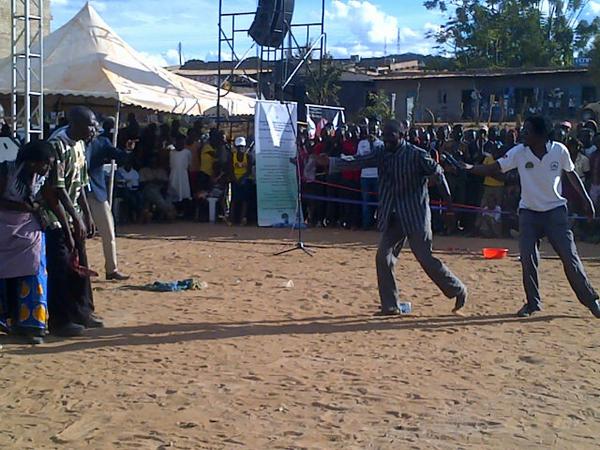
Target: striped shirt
[403, 178]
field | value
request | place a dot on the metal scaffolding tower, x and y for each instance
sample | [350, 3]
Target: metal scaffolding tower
[277, 67]
[27, 97]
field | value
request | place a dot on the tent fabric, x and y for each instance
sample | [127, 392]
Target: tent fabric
[85, 57]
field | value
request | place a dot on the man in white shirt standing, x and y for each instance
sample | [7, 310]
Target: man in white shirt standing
[586, 136]
[543, 210]
[369, 184]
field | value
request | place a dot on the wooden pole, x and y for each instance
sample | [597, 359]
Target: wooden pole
[113, 164]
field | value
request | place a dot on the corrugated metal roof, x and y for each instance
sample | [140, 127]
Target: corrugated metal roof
[478, 73]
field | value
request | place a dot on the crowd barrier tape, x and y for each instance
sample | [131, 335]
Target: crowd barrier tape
[435, 206]
[347, 188]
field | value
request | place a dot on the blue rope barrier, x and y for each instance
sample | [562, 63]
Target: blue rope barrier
[433, 207]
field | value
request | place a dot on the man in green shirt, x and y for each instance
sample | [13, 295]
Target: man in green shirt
[70, 302]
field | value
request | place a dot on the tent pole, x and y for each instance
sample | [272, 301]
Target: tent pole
[116, 130]
[113, 164]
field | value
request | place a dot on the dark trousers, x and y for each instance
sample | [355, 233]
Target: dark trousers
[315, 208]
[390, 246]
[332, 209]
[351, 212]
[553, 224]
[473, 196]
[69, 294]
[369, 188]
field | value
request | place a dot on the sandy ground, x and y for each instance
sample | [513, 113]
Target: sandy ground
[253, 362]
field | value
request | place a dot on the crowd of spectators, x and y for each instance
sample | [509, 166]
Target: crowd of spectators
[484, 207]
[172, 172]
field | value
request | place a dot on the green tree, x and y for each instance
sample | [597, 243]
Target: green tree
[322, 85]
[378, 106]
[514, 33]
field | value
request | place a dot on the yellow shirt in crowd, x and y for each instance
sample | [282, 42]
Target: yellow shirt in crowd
[491, 181]
[208, 157]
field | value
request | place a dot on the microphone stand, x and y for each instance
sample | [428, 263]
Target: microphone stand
[299, 245]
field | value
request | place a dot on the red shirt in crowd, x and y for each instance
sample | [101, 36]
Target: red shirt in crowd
[349, 148]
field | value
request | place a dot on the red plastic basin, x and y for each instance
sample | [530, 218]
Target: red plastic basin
[495, 253]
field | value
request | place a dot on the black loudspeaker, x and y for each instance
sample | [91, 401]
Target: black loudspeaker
[271, 22]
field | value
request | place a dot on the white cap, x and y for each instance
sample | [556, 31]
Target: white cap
[240, 141]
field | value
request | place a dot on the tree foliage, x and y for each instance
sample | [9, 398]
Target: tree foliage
[322, 87]
[378, 106]
[514, 33]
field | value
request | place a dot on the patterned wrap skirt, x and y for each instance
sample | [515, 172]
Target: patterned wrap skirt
[23, 300]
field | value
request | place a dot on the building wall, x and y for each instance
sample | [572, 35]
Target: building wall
[353, 96]
[5, 25]
[448, 98]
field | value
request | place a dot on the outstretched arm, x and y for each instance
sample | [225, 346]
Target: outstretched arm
[578, 186]
[336, 165]
[484, 170]
[444, 189]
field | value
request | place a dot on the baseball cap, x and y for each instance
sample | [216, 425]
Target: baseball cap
[240, 141]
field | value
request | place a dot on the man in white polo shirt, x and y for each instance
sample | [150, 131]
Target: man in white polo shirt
[543, 210]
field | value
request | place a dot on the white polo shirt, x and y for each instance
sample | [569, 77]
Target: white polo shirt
[541, 187]
[364, 148]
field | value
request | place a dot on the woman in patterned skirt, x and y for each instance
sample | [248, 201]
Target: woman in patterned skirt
[23, 278]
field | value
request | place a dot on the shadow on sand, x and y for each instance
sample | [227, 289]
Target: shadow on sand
[156, 334]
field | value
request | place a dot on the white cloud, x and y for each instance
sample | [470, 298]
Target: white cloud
[98, 6]
[168, 58]
[365, 28]
[352, 26]
[338, 51]
[595, 7]
[172, 56]
[213, 55]
[366, 20]
[432, 27]
[155, 59]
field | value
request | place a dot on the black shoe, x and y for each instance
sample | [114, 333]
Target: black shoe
[394, 311]
[33, 336]
[116, 276]
[69, 330]
[594, 307]
[94, 322]
[527, 311]
[35, 340]
[461, 301]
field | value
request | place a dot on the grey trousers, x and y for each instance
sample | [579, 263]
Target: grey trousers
[391, 244]
[103, 218]
[553, 224]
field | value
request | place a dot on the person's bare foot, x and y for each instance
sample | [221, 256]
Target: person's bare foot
[461, 301]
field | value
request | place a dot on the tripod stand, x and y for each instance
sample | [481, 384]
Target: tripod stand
[300, 245]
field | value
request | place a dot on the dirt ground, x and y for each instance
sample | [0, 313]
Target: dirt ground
[285, 353]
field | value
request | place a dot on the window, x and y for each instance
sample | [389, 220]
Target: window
[442, 97]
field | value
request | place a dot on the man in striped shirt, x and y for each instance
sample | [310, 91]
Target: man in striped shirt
[404, 213]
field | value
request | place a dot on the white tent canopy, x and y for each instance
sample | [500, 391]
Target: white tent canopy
[86, 58]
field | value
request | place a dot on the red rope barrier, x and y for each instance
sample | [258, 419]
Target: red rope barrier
[433, 202]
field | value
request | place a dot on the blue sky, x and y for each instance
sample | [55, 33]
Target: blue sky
[154, 27]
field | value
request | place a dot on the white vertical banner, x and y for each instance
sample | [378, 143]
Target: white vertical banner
[275, 127]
